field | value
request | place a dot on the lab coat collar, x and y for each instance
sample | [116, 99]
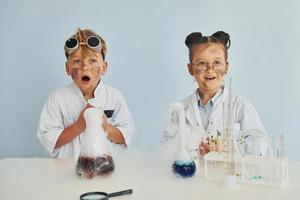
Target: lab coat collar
[191, 106]
[77, 90]
[219, 101]
[99, 94]
[223, 95]
[213, 99]
[191, 109]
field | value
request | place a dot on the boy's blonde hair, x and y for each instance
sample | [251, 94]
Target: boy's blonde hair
[82, 36]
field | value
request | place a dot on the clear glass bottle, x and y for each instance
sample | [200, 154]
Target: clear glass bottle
[95, 157]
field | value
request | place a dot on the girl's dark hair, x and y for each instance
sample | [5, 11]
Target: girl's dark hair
[219, 37]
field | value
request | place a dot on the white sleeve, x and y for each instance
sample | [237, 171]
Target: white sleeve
[251, 124]
[122, 119]
[50, 126]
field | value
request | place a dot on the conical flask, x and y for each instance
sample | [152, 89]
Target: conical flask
[95, 157]
[183, 164]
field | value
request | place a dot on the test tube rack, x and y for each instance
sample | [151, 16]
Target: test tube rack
[251, 169]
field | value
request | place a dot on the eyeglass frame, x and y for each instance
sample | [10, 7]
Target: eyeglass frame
[213, 66]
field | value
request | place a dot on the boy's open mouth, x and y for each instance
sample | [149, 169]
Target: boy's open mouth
[86, 78]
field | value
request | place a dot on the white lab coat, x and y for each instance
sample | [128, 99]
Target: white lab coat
[244, 115]
[62, 109]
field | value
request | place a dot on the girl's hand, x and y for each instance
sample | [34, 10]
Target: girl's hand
[204, 148]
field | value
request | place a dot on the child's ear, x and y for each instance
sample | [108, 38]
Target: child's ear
[104, 68]
[190, 68]
[68, 68]
[226, 67]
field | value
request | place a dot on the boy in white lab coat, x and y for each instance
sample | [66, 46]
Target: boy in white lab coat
[204, 110]
[62, 125]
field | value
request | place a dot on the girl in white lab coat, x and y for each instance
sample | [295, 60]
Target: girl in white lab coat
[205, 112]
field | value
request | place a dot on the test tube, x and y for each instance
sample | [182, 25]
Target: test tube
[281, 145]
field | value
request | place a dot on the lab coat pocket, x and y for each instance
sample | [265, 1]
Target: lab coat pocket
[111, 121]
[68, 121]
[109, 113]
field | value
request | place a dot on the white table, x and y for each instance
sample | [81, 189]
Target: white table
[148, 176]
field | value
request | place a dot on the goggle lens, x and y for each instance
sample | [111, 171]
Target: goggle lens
[71, 43]
[93, 42]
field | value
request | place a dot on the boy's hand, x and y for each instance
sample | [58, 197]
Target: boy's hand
[80, 123]
[113, 133]
[105, 124]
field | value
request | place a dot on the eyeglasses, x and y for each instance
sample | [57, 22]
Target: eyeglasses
[202, 66]
[72, 44]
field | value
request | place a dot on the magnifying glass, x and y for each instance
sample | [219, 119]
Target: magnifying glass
[103, 195]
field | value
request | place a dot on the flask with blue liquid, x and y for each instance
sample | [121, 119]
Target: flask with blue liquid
[183, 165]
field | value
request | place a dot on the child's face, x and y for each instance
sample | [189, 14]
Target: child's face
[208, 66]
[86, 71]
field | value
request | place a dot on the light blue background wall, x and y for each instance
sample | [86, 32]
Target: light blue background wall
[147, 60]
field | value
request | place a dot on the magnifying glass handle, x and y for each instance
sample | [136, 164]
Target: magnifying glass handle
[120, 193]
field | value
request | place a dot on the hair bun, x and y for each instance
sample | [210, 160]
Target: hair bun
[223, 37]
[192, 38]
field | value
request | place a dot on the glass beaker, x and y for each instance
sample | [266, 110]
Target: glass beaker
[95, 157]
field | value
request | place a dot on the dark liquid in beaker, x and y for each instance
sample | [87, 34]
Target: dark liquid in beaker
[88, 167]
[187, 169]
